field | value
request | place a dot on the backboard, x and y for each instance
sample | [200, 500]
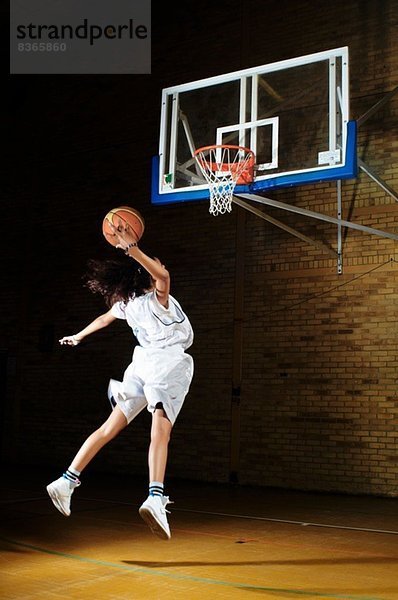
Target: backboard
[293, 114]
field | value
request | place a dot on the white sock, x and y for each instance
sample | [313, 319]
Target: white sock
[156, 488]
[74, 471]
[72, 476]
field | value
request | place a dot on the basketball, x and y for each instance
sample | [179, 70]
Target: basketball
[120, 217]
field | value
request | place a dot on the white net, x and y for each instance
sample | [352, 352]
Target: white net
[223, 167]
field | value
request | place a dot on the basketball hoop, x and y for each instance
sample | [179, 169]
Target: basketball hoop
[224, 166]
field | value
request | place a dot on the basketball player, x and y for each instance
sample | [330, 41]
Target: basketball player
[158, 377]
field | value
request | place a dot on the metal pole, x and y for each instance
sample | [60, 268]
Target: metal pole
[339, 236]
[237, 347]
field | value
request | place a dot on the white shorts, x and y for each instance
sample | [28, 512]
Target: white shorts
[155, 375]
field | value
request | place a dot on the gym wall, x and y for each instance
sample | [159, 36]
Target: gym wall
[296, 366]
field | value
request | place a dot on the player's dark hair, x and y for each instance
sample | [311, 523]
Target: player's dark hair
[117, 280]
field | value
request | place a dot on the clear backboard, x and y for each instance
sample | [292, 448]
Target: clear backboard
[293, 114]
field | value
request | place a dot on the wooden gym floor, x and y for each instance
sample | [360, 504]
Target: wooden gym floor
[227, 543]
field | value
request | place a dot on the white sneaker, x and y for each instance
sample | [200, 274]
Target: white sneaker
[60, 492]
[153, 511]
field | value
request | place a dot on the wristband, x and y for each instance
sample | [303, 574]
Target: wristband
[131, 245]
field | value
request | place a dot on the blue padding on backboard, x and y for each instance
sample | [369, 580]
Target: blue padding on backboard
[348, 171]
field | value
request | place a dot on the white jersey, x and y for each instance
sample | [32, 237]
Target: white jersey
[161, 371]
[153, 325]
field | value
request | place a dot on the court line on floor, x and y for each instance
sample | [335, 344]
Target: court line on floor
[20, 500]
[231, 515]
[254, 518]
[291, 522]
[89, 513]
[182, 577]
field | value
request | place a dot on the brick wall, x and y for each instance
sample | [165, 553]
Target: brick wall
[318, 378]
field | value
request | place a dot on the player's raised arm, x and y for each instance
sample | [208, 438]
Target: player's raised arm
[155, 268]
[158, 272]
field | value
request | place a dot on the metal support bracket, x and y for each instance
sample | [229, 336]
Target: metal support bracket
[362, 119]
[361, 164]
[320, 216]
[371, 173]
[239, 202]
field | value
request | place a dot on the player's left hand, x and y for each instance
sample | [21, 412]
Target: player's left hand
[69, 340]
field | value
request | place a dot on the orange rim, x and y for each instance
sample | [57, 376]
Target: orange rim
[248, 170]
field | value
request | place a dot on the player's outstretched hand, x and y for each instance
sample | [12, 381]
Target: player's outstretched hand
[124, 235]
[69, 340]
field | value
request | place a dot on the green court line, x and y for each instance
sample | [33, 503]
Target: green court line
[205, 580]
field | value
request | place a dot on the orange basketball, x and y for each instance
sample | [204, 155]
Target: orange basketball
[120, 217]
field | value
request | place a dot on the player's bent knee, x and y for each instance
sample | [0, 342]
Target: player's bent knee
[108, 432]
